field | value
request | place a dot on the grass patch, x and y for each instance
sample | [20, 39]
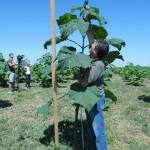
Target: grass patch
[127, 122]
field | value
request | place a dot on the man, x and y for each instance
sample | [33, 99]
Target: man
[94, 76]
[11, 73]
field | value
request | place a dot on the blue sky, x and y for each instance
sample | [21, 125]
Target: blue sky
[25, 26]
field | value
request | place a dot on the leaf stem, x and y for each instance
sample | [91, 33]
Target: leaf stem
[83, 37]
[75, 42]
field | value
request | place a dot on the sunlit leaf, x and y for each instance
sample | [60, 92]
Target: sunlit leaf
[44, 110]
[75, 8]
[110, 94]
[86, 97]
[58, 40]
[67, 58]
[75, 24]
[82, 26]
[118, 43]
[99, 32]
[93, 14]
[68, 28]
[112, 55]
[67, 17]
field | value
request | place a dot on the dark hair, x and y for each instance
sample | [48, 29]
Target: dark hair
[102, 47]
[11, 54]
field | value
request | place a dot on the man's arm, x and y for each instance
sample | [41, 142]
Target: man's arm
[90, 35]
[11, 64]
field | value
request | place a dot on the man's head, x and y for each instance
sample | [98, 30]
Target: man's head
[28, 63]
[11, 55]
[99, 49]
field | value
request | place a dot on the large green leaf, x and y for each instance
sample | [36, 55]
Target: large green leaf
[67, 17]
[74, 24]
[44, 110]
[118, 43]
[99, 32]
[82, 26]
[67, 58]
[69, 23]
[110, 94]
[68, 28]
[81, 8]
[111, 56]
[76, 8]
[58, 40]
[93, 14]
[86, 97]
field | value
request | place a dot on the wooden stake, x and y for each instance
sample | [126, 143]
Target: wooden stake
[52, 17]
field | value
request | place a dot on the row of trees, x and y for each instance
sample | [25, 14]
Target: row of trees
[133, 74]
[3, 77]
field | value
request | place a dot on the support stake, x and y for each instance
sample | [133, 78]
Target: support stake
[52, 18]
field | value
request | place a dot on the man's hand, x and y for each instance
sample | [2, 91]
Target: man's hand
[81, 80]
[78, 73]
[85, 3]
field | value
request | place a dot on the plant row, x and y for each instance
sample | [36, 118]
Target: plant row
[134, 74]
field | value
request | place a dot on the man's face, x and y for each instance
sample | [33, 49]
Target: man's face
[11, 56]
[93, 52]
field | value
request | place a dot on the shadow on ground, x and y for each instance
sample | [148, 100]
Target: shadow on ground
[5, 103]
[66, 135]
[144, 98]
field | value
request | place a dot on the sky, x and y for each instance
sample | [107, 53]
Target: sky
[25, 26]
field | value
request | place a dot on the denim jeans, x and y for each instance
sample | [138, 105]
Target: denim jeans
[27, 80]
[96, 128]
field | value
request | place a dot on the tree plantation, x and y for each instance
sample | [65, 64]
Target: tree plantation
[27, 116]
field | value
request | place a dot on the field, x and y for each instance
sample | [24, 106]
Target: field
[21, 128]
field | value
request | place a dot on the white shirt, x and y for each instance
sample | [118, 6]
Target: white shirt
[27, 69]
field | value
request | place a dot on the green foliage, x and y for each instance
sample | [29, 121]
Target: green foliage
[42, 73]
[58, 40]
[100, 32]
[74, 24]
[66, 75]
[133, 74]
[111, 56]
[41, 70]
[44, 110]
[110, 94]
[3, 75]
[118, 43]
[86, 97]
[67, 57]
[92, 13]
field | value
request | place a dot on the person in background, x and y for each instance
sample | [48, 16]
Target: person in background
[11, 73]
[27, 74]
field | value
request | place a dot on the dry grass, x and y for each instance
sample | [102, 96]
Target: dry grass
[127, 121]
